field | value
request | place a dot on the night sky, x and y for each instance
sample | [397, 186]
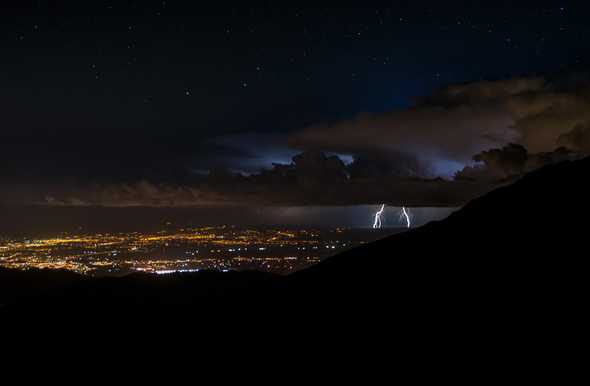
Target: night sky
[184, 102]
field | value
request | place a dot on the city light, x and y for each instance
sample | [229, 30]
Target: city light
[222, 249]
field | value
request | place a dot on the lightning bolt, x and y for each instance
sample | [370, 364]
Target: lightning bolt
[377, 223]
[404, 215]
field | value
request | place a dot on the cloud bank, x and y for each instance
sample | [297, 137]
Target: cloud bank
[444, 150]
[442, 132]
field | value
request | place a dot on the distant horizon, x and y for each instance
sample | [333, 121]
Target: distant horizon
[45, 220]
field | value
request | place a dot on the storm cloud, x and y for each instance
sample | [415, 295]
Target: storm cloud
[311, 179]
[444, 150]
[445, 130]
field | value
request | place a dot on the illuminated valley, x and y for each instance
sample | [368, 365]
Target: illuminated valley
[222, 248]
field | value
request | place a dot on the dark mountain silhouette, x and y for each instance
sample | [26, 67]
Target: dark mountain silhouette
[508, 264]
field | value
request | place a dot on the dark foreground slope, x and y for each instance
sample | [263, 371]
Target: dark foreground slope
[513, 259]
[515, 256]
